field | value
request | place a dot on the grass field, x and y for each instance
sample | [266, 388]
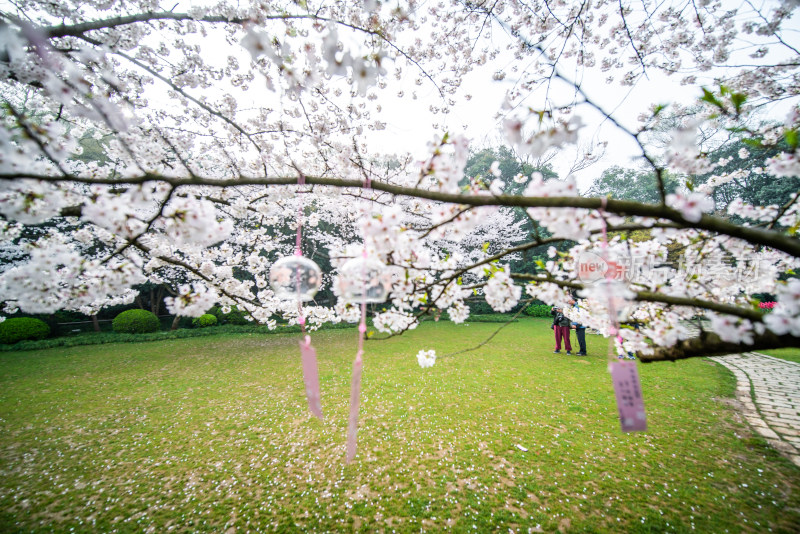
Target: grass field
[213, 434]
[793, 355]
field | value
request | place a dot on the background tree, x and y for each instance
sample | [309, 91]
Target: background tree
[630, 184]
[501, 163]
[743, 175]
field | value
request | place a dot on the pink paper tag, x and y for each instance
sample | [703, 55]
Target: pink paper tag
[630, 403]
[355, 393]
[311, 377]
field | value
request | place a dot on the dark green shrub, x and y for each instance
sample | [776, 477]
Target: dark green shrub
[136, 322]
[479, 307]
[235, 316]
[168, 320]
[204, 320]
[113, 311]
[22, 328]
[537, 310]
[65, 316]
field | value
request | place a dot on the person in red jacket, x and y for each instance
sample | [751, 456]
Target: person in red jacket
[561, 324]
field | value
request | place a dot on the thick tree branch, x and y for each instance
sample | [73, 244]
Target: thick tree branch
[75, 30]
[710, 344]
[757, 236]
[649, 296]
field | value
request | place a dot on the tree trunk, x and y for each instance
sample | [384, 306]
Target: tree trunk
[95, 323]
[159, 299]
[154, 301]
[175, 322]
[139, 302]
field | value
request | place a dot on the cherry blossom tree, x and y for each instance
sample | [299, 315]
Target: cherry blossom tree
[224, 127]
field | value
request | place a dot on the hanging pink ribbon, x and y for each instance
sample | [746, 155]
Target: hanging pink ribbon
[355, 384]
[624, 374]
[612, 312]
[355, 389]
[358, 365]
[308, 354]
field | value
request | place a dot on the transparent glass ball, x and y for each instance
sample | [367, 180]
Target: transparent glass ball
[295, 278]
[364, 279]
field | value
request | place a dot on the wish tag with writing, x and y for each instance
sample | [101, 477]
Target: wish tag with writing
[628, 390]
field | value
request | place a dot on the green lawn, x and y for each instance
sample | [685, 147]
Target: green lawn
[793, 355]
[213, 434]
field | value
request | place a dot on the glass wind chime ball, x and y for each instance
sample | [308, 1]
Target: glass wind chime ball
[295, 278]
[364, 279]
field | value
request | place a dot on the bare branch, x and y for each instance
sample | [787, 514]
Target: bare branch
[488, 339]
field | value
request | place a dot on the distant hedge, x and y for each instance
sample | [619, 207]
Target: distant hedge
[136, 322]
[99, 338]
[537, 310]
[204, 320]
[21, 329]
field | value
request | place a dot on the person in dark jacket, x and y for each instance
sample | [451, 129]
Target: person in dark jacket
[580, 333]
[560, 326]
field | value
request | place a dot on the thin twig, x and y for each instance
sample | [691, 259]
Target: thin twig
[487, 340]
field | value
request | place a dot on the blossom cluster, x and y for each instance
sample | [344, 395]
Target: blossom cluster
[192, 300]
[501, 292]
[445, 167]
[567, 223]
[785, 316]
[56, 276]
[692, 205]
[544, 139]
[426, 358]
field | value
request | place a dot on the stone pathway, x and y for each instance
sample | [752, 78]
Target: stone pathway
[769, 390]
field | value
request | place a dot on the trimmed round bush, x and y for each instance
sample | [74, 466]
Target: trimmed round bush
[22, 328]
[204, 320]
[136, 322]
